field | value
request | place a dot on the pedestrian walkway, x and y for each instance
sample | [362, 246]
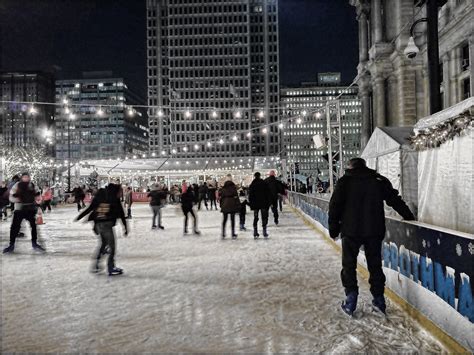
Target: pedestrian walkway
[189, 293]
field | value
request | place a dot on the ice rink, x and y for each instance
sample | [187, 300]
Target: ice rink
[189, 293]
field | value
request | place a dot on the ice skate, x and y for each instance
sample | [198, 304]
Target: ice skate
[255, 234]
[265, 234]
[196, 232]
[153, 227]
[9, 249]
[115, 271]
[234, 236]
[379, 306]
[242, 228]
[350, 304]
[38, 247]
[161, 227]
[96, 268]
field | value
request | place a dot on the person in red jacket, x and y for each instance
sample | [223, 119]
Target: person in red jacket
[46, 197]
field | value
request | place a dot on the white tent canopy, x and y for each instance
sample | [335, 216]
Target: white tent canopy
[390, 154]
[446, 175]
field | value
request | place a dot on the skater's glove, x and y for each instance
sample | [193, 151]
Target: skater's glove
[334, 234]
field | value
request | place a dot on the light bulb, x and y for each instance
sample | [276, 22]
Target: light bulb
[238, 114]
[235, 139]
[214, 114]
[187, 114]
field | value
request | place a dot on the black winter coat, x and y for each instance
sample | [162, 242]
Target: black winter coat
[188, 199]
[259, 194]
[275, 187]
[356, 208]
[229, 198]
[105, 207]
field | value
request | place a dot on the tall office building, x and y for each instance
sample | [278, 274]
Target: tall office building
[96, 119]
[212, 75]
[306, 104]
[22, 123]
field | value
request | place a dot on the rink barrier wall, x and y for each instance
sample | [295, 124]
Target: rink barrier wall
[429, 272]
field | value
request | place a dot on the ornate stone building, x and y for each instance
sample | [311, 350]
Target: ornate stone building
[394, 89]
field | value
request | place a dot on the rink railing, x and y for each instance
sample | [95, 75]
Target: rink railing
[430, 268]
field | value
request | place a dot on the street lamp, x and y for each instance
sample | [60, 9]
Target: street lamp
[71, 117]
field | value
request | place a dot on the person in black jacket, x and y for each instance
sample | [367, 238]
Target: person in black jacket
[275, 187]
[259, 201]
[230, 204]
[203, 194]
[356, 210]
[188, 199]
[104, 210]
[211, 193]
[157, 198]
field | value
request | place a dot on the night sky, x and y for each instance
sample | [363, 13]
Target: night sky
[83, 35]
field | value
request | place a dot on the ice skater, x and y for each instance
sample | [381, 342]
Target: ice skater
[24, 194]
[4, 201]
[187, 202]
[259, 201]
[243, 208]
[157, 198]
[275, 187]
[211, 193]
[203, 195]
[104, 210]
[46, 197]
[356, 210]
[230, 205]
[128, 200]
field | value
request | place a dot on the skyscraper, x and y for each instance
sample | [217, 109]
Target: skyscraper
[213, 77]
[96, 119]
[21, 121]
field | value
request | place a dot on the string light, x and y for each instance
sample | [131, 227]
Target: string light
[221, 141]
[160, 113]
[100, 112]
[72, 116]
[214, 114]
[318, 114]
[163, 152]
[261, 114]
[32, 110]
[187, 114]
[234, 138]
[130, 112]
[185, 149]
[265, 130]
[298, 120]
[67, 111]
[304, 113]
[281, 125]
[196, 147]
[238, 114]
[249, 134]
[209, 144]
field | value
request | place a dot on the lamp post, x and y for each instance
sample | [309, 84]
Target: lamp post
[70, 118]
[432, 51]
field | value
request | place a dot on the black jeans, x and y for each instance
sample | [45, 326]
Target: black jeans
[106, 232]
[264, 214]
[186, 213]
[373, 254]
[280, 202]
[18, 217]
[202, 197]
[46, 205]
[242, 214]
[232, 222]
[275, 210]
[213, 203]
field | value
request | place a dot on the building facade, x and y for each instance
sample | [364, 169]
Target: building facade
[95, 119]
[393, 89]
[305, 105]
[213, 77]
[22, 123]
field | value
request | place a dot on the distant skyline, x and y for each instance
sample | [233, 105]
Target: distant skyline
[88, 35]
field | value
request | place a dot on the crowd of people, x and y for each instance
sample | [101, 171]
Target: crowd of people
[356, 213]
[114, 202]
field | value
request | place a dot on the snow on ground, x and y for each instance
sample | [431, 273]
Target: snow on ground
[189, 293]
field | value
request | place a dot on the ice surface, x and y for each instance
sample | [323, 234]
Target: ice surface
[189, 293]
